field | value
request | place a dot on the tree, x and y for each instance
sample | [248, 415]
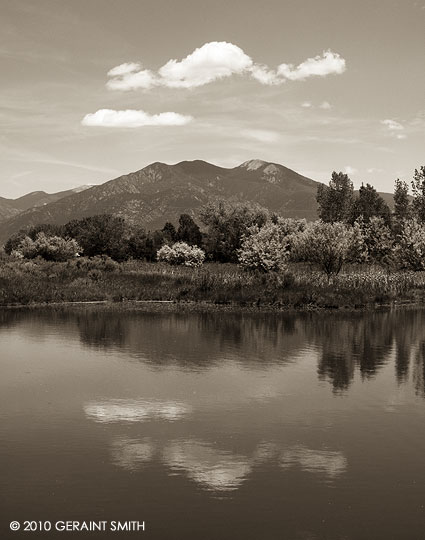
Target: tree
[50, 248]
[418, 189]
[265, 249]
[188, 231]
[401, 204]
[227, 224]
[328, 245]
[378, 241]
[144, 245]
[369, 204]
[169, 232]
[335, 201]
[410, 250]
[103, 234]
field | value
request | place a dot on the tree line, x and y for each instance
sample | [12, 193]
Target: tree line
[352, 227]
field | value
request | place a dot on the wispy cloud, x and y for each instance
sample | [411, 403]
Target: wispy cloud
[216, 60]
[395, 129]
[262, 135]
[131, 118]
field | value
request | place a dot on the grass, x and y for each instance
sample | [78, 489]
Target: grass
[25, 282]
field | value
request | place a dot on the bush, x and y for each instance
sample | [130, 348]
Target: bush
[410, 250]
[181, 253]
[50, 248]
[327, 244]
[265, 249]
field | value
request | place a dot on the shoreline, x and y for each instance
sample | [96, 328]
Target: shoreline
[172, 306]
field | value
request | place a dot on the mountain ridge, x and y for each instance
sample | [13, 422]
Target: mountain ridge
[160, 192]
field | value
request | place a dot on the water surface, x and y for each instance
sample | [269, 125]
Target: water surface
[215, 426]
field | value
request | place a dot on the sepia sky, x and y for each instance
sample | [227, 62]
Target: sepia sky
[91, 89]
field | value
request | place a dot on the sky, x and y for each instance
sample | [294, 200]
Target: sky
[93, 89]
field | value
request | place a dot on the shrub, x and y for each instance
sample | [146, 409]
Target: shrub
[265, 249]
[327, 244]
[410, 250]
[181, 253]
[50, 248]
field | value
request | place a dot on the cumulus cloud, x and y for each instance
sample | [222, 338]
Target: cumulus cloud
[216, 60]
[208, 63]
[319, 66]
[306, 104]
[131, 118]
[395, 129]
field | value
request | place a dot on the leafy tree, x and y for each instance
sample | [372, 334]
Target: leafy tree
[32, 232]
[335, 201]
[418, 189]
[401, 204]
[329, 245]
[50, 248]
[410, 250]
[181, 253]
[227, 224]
[188, 231]
[369, 204]
[169, 232]
[103, 234]
[142, 245]
[378, 241]
[265, 249]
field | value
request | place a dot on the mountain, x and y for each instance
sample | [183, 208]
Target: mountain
[160, 193]
[7, 209]
[40, 198]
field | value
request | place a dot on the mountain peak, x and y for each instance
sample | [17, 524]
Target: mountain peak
[253, 164]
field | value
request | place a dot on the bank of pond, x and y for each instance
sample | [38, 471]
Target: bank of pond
[25, 282]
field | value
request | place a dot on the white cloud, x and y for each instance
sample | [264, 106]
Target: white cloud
[395, 129]
[208, 63]
[123, 69]
[306, 104]
[319, 66]
[265, 75]
[350, 170]
[130, 76]
[392, 125]
[373, 170]
[325, 105]
[216, 60]
[133, 119]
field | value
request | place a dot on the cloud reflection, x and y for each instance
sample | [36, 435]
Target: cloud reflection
[136, 410]
[210, 467]
[132, 454]
[326, 462]
[219, 470]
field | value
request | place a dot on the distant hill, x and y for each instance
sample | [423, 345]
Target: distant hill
[159, 193]
[40, 198]
[7, 209]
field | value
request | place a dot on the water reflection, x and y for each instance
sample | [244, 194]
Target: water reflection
[219, 470]
[121, 410]
[346, 343]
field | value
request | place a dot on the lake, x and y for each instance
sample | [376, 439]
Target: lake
[214, 425]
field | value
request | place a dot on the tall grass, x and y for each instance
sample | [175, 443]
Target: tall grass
[38, 281]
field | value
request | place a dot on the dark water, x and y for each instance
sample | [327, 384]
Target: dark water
[215, 426]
